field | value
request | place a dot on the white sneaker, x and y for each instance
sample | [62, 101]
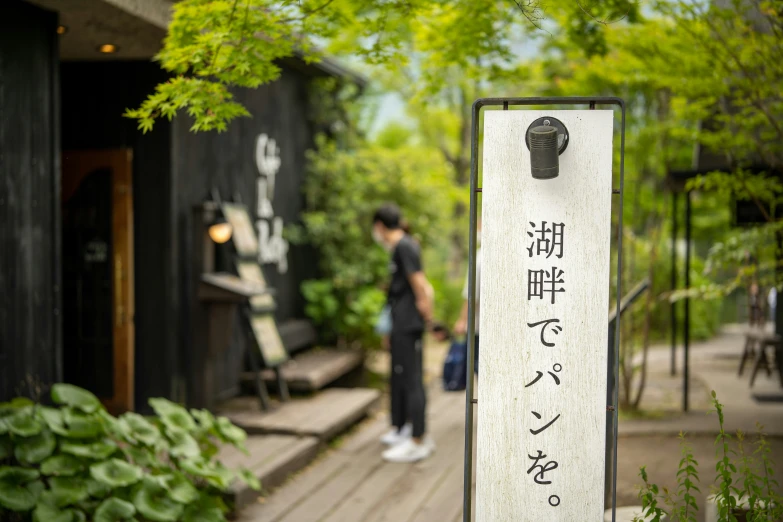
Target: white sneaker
[394, 437]
[408, 451]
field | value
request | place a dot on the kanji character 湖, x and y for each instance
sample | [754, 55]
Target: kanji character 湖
[543, 244]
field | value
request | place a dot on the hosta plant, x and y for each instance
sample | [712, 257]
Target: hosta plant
[76, 462]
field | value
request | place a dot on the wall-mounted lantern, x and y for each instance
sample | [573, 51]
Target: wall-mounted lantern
[220, 230]
[218, 295]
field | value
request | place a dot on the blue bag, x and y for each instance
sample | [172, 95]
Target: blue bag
[383, 325]
[455, 367]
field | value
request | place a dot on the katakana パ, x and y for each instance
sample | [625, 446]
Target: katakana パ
[542, 282]
[556, 368]
[548, 240]
[538, 416]
[556, 330]
[542, 470]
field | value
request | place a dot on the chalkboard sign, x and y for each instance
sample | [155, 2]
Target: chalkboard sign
[268, 339]
[251, 271]
[244, 236]
[229, 287]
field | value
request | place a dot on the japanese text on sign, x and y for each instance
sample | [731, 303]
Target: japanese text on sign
[546, 240]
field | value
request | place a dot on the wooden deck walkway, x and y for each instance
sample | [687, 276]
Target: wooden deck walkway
[352, 483]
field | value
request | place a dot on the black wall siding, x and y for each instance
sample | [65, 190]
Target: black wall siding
[46, 107]
[226, 161]
[30, 333]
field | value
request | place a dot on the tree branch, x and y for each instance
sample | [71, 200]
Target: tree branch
[217, 51]
[757, 102]
[755, 199]
[306, 14]
[602, 22]
[529, 11]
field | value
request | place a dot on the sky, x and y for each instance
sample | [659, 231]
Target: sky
[391, 106]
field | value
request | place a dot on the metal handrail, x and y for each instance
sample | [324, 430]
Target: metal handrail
[629, 298]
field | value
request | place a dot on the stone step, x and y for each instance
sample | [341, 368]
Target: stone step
[313, 370]
[323, 415]
[272, 458]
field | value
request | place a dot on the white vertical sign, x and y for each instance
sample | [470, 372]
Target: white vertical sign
[544, 323]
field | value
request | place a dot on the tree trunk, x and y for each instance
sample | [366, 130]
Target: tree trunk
[461, 164]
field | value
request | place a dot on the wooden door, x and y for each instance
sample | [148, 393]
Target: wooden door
[98, 304]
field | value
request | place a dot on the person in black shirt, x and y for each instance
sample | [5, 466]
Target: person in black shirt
[410, 301]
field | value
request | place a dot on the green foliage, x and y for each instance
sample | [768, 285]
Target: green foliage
[727, 503]
[343, 189]
[649, 495]
[215, 45]
[687, 480]
[722, 95]
[681, 503]
[744, 485]
[77, 462]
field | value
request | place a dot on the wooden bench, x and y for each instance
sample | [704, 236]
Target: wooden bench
[312, 368]
[297, 335]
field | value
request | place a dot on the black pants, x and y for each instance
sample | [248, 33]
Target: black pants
[408, 399]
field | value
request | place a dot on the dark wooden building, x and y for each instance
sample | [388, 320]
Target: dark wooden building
[96, 217]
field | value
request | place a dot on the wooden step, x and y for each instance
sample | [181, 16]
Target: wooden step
[323, 416]
[313, 370]
[272, 459]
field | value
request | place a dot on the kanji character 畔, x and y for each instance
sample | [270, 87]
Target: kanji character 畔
[557, 367]
[543, 244]
[542, 470]
[538, 416]
[542, 282]
[556, 330]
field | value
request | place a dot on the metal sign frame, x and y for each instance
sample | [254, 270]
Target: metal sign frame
[614, 361]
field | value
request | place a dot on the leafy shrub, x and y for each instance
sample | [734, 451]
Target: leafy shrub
[742, 478]
[342, 190]
[352, 318]
[77, 462]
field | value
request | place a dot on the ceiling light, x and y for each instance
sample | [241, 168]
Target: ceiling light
[108, 48]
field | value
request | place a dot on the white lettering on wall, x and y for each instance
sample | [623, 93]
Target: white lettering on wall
[264, 209]
[272, 247]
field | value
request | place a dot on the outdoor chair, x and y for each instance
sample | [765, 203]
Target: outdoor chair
[764, 341]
